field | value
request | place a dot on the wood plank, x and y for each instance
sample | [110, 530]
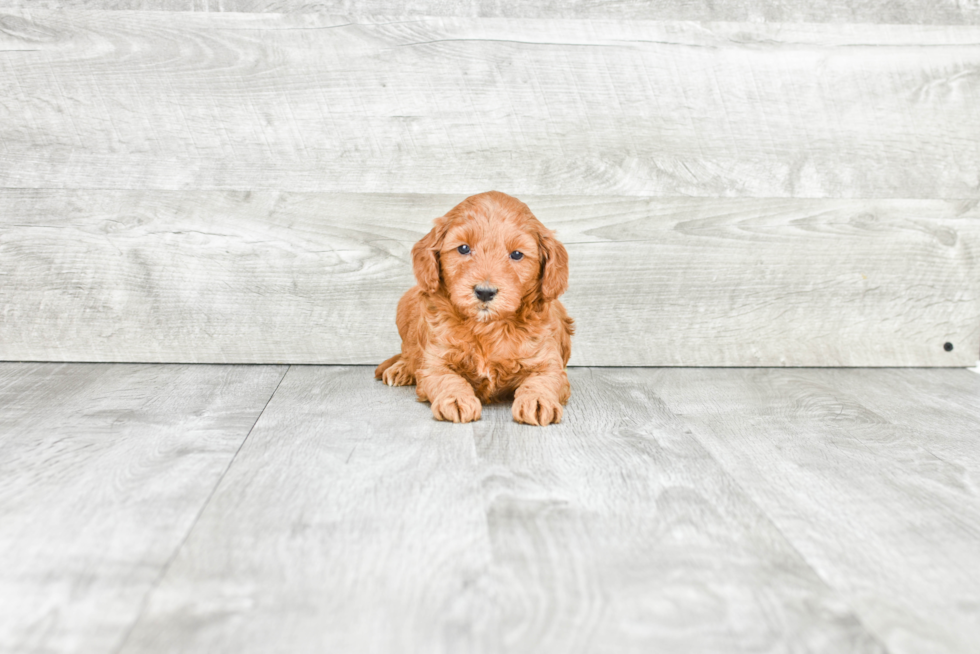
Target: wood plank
[267, 277]
[918, 12]
[351, 521]
[947, 425]
[883, 506]
[103, 470]
[313, 102]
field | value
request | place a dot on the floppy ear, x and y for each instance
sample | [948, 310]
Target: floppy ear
[425, 260]
[554, 267]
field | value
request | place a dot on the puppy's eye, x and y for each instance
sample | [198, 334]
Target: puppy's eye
[516, 256]
[463, 249]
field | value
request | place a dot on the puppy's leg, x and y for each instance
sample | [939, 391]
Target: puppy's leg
[380, 370]
[539, 398]
[395, 372]
[451, 396]
[399, 370]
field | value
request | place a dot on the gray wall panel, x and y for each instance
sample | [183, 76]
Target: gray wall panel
[265, 277]
[951, 12]
[548, 107]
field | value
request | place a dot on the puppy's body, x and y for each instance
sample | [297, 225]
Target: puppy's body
[493, 356]
[485, 324]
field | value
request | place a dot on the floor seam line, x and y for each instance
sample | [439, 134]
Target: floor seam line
[692, 432]
[197, 517]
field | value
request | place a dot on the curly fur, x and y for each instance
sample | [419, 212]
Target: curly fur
[461, 351]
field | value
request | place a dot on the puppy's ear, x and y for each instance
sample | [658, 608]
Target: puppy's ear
[425, 260]
[554, 266]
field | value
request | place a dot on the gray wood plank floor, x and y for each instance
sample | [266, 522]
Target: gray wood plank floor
[160, 508]
[103, 471]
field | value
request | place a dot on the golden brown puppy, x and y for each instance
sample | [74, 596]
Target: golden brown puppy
[484, 322]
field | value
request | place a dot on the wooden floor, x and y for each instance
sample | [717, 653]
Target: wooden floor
[182, 508]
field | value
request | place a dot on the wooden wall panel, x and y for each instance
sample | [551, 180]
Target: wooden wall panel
[311, 102]
[265, 277]
[921, 12]
[244, 187]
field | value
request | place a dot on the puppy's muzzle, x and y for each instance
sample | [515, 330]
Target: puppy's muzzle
[484, 293]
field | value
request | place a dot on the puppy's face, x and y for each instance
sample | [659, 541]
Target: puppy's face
[491, 255]
[489, 264]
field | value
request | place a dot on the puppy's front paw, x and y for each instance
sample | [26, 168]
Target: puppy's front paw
[536, 410]
[457, 409]
[398, 375]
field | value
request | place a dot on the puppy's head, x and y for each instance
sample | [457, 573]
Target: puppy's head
[492, 257]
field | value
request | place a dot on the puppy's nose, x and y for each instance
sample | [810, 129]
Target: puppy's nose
[484, 293]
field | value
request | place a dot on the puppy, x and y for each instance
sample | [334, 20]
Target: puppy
[484, 322]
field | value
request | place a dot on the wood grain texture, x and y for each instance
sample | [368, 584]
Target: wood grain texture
[313, 102]
[103, 470]
[947, 426]
[949, 12]
[870, 474]
[266, 277]
[353, 522]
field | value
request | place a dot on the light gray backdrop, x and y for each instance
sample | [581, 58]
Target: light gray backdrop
[243, 181]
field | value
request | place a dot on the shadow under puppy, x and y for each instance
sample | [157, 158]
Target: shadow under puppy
[484, 322]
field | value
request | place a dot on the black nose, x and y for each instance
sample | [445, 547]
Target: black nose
[484, 293]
